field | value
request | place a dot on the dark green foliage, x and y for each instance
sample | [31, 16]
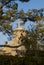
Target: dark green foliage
[29, 59]
[24, 0]
[35, 53]
[8, 17]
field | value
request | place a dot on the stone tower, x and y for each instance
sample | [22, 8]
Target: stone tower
[16, 47]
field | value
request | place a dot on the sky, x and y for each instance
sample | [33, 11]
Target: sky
[33, 4]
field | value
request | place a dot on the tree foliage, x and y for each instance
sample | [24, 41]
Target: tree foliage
[27, 60]
[9, 16]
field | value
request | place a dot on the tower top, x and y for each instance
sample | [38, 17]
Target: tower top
[20, 24]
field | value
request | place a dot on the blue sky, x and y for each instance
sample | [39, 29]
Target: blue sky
[33, 4]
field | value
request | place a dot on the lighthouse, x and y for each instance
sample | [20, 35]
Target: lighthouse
[16, 46]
